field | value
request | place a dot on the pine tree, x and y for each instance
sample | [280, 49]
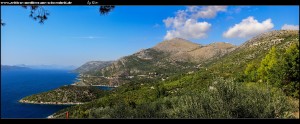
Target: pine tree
[251, 72]
[291, 68]
[267, 70]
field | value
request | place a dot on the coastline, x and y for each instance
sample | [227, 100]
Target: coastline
[50, 116]
[74, 84]
[105, 86]
[59, 103]
[49, 103]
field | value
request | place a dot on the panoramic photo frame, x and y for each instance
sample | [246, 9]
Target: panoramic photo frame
[94, 60]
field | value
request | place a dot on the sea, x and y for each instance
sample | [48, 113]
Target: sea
[16, 84]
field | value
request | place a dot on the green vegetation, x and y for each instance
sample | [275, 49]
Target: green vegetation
[92, 67]
[250, 82]
[148, 64]
[67, 94]
[223, 99]
[290, 82]
[280, 71]
[152, 61]
[259, 79]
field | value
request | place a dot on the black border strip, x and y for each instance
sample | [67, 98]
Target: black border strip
[150, 2]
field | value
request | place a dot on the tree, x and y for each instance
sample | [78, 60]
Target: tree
[2, 23]
[291, 68]
[160, 91]
[251, 72]
[280, 71]
[291, 62]
[38, 13]
[270, 70]
[104, 10]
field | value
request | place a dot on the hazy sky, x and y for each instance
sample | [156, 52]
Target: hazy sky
[74, 35]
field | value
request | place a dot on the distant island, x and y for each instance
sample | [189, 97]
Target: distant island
[48, 67]
[9, 67]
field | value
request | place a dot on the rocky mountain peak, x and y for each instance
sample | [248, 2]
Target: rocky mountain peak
[176, 45]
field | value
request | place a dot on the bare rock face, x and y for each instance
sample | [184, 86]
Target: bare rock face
[144, 54]
[176, 45]
[184, 50]
[210, 51]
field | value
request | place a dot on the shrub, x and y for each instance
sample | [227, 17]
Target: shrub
[229, 99]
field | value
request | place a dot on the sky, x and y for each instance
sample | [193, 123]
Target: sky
[73, 35]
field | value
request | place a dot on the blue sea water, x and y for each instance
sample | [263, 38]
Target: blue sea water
[16, 84]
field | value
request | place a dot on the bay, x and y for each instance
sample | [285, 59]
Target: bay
[16, 84]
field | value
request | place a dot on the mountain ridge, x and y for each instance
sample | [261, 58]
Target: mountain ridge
[166, 58]
[176, 45]
[219, 89]
[91, 66]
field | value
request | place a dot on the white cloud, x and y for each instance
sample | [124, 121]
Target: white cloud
[208, 12]
[168, 22]
[185, 24]
[290, 27]
[248, 27]
[191, 29]
[192, 8]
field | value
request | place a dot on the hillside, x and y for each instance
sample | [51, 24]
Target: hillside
[176, 56]
[65, 95]
[91, 66]
[183, 50]
[220, 88]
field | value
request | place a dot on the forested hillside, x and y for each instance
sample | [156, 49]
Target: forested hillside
[259, 79]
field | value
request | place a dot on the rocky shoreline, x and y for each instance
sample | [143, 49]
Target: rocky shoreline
[50, 116]
[50, 103]
[105, 86]
[75, 84]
